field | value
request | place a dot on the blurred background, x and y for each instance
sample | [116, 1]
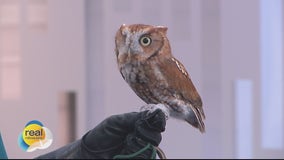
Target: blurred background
[58, 66]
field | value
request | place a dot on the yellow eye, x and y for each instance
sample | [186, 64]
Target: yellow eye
[145, 41]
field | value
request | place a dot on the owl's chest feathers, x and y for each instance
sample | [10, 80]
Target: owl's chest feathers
[145, 79]
[142, 73]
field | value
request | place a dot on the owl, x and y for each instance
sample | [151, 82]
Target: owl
[146, 63]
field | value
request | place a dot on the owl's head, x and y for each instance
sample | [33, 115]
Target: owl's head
[140, 42]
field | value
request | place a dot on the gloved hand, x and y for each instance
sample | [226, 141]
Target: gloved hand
[117, 135]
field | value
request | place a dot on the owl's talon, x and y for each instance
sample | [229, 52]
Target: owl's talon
[152, 107]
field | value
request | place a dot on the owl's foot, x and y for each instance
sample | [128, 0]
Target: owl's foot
[152, 107]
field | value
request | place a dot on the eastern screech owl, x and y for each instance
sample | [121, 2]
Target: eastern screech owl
[145, 61]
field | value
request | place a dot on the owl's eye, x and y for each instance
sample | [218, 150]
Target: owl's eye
[145, 41]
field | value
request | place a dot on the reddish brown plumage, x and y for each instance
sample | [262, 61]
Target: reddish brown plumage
[155, 75]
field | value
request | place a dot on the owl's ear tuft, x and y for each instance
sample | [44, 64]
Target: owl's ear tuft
[162, 29]
[122, 26]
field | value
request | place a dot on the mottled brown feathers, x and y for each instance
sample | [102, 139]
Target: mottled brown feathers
[145, 61]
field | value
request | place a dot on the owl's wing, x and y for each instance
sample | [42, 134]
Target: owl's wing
[182, 86]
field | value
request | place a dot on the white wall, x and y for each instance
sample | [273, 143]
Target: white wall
[53, 61]
[239, 56]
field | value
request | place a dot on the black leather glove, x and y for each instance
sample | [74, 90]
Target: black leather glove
[117, 136]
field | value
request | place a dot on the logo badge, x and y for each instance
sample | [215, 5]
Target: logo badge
[35, 136]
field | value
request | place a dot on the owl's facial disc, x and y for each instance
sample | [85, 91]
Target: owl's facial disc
[138, 41]
[132, 41]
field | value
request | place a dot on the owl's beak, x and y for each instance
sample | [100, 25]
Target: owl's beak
[125, 33]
